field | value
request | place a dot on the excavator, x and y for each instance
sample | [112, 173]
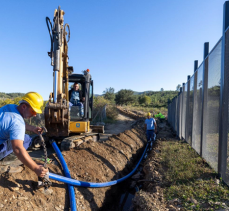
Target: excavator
[63, 121]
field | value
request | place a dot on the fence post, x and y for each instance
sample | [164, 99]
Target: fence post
[187, 109]
[223, 109]
[195, 65]
[194, 101]
[204, 98]
[182, 116]
[173, 116]
[180, 112]
[172, 112]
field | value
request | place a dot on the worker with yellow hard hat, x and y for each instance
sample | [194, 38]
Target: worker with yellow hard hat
[150, 127]
[13, 126]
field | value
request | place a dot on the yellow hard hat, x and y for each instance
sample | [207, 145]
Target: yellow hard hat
[35, 100]
[148, 114]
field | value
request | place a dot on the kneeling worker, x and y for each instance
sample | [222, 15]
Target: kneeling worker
[150, 127]
[13, 126]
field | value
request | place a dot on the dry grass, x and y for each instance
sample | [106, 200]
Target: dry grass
[152, 110]
[190, 179]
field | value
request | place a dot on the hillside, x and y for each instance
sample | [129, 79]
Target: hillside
[10, 95]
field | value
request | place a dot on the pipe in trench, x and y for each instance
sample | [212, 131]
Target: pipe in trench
[67, 174]
[74, 182]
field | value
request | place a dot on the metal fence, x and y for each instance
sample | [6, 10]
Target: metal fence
[100, 115]
[199, 114]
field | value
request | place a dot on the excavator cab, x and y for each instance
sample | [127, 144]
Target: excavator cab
[81, 112]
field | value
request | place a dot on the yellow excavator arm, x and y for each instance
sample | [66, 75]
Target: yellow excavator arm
[57, 109]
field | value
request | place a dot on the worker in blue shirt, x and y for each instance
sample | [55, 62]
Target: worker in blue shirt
[13, 126]
[150, 127]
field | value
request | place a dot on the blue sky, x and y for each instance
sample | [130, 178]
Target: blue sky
[127, 44]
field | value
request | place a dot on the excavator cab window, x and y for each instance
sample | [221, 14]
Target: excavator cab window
[76, 101]
[90, 100]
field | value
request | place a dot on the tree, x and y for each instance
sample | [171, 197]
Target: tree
[109, 94]
[7, 101]
[124, 97]
[16, 100]
[178, 87]
[144, 100]
[162, 90]
[147, 100]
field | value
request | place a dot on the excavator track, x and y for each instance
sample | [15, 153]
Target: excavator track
[75, 140]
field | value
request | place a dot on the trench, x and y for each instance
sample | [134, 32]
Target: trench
[120, 198]
[91, 161]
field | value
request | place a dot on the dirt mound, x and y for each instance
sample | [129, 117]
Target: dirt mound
[133, 114]
[122, 123]
[151, 197]
[91, 161]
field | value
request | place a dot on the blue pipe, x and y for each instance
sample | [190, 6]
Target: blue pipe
[92, 184]
[67, 174]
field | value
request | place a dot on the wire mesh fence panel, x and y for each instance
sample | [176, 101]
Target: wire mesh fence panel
[184, 110]
[190, 111]
[172, 113]
[168, 113]
[197, 110]
[178, 115]
[174, 110]
[211, 120]
[175, 114]
[226, 61]
[187, 109]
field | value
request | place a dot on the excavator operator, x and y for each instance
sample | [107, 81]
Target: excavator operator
[75, 94]
[77, 99]
[13, 126]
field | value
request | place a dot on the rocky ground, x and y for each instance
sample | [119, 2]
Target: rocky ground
[91, 161]
[111, 158]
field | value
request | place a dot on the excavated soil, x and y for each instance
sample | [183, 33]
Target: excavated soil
[151, 197]
[91, 161]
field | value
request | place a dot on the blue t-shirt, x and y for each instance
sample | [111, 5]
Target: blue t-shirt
[150, 123]
[12, 125]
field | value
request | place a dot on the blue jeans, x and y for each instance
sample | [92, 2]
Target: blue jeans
[150, 135]
[6, 146]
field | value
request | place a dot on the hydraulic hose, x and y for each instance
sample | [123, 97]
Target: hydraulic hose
[49, 23]
[67, 174]
[74, 182]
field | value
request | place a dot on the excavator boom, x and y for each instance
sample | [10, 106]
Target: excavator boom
[61, 116]
[57, 109]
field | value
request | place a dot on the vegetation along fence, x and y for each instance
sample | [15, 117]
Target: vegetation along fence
[199, 114]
